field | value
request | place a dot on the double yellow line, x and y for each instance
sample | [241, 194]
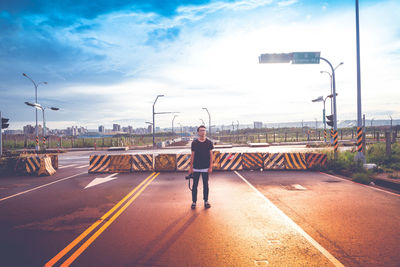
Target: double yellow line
[130, 197]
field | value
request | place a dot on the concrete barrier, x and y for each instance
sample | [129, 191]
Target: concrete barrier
[182, 162]
[46, 168]
[142, 162]
[120, 163]
[99, 163]
[295, 161]
[252, 161]
[165, 162]
[316, 159]
[228, 162]
[274, 161]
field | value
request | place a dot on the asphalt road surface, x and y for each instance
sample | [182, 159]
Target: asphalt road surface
[270, 218]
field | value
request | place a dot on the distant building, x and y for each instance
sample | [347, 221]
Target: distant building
[258, 125]
[116, 127]
[13, 132]
[102, 129]
[149, 129]
[29, 129]
[128, 129]
[140, 131]
[75, 131]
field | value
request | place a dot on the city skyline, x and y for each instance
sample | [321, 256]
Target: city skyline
[106, 64]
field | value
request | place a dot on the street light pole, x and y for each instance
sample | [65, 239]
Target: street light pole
[322, 99]
[359, 156]
[209, 122]
[38, 106]
[334, 105]
[181, 129]
[37, 147]
[173, 124]
[154, 143]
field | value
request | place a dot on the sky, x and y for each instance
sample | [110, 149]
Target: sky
[106, 61]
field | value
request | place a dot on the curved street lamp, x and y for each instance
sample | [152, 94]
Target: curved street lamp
[322, 99]
[209, 121]
[36, 100]
[173, 124]
[38, 106]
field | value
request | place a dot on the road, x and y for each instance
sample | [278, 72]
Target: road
[270, 218]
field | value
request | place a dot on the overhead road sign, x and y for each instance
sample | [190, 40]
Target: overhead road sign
[275, 58]
[306, 57]
[295, 58]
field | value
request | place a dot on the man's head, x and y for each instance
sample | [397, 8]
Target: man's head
[201, 131]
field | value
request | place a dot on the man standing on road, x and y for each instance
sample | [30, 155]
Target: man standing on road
[201, 162]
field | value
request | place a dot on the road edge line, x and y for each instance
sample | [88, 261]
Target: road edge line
[318, 246]
[334, 176]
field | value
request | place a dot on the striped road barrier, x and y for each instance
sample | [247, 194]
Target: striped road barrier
[295, 161]
[46, 168]
[316, 159]
[120, 163]
[335, 140]
[359, 139]
[54, 161]
[274, 161]
[32, 164]
[165, 162]
[252, 161]
[142, 162]
[229, 161]
[99, 163]
[182, 162]
[216, 162]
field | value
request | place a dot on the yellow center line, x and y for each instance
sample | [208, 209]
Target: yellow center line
[91, 228]
[82, 248]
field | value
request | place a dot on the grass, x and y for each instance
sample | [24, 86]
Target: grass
[345, 164]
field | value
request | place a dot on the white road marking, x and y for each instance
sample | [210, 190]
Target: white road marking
[38, 187]
[326, 253]
[298, 187]
[83, 166]
[98, 181]
[67, 166]
[360, 184]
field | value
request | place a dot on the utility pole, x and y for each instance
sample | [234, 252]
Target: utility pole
[173, 124]
[154, 114]
[209, 122]
[359, 156]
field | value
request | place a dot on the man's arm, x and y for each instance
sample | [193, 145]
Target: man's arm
[191, 162]
[211, 162]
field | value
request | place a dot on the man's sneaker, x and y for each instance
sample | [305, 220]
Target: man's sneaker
[193, 205]
[207, 205]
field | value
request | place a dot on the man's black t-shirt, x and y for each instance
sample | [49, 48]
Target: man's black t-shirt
[201, 153]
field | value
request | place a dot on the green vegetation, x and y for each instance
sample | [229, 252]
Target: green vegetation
[21, 142]
[376, 153]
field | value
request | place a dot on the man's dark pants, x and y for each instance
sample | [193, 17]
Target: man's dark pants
[196, 177]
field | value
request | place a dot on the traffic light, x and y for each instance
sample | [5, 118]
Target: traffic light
[4, 124]
[330, 120]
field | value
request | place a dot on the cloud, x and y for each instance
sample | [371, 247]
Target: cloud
[107, 64]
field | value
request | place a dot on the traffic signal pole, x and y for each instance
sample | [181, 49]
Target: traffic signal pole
[1, 136]
[3, 125]
[307, 58]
